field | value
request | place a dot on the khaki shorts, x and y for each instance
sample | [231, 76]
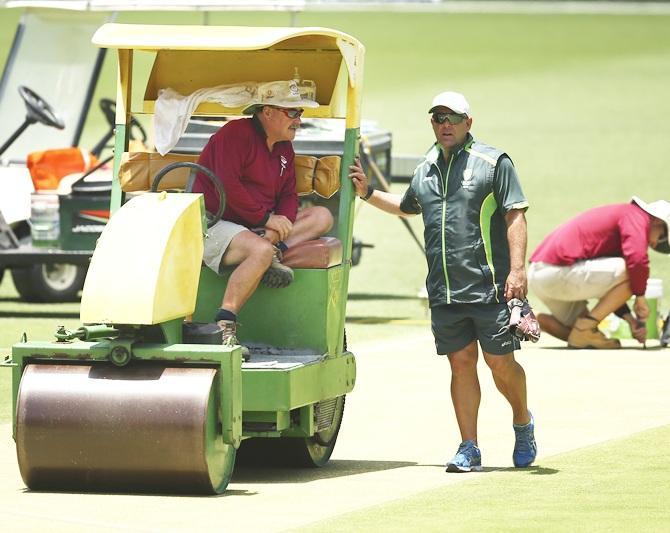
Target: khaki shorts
[566, 289]
[219, 237]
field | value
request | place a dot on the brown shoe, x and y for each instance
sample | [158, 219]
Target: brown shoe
[585, 334]
[229, 336]
[278, 275]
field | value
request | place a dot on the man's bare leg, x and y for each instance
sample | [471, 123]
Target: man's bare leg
[550, 324]
[611, 301]
[465, 391]
[253, 256]
[510, 379]
[311, 222]
[585, 333]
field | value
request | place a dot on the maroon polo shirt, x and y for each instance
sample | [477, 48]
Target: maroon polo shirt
[618, 230]
[257, 181]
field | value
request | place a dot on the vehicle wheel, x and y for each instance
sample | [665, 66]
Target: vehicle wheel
[356, 251]
[57, 282]
[311, 452]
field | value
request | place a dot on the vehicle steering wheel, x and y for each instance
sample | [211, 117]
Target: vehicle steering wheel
[108, 108]
[195, 167]
[38, 110]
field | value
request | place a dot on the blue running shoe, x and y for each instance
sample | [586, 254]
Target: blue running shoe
[468, 458]
[525, 449]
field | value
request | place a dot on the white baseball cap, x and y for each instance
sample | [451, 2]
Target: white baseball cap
[454, 101]
[281, 94]
[659, 209]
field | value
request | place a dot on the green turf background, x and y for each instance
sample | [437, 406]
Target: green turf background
[593, 489]
[578, 101]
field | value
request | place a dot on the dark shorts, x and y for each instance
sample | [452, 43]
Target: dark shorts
[457, 325]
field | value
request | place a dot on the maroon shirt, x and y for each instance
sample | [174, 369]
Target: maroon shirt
[257, 182]
[618, 230]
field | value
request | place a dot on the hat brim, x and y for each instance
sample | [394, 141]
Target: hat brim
[251, 108]
[662, 248]
[652, 209]
[432, 109]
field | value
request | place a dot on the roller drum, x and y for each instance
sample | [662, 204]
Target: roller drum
[144, 427]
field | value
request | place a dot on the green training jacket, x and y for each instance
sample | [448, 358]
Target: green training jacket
[463, 201]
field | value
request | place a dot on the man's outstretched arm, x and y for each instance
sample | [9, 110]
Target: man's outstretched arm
[385, 201]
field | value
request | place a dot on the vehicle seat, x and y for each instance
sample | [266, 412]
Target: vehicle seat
[138, 169]
[318, 176]
[323, 252]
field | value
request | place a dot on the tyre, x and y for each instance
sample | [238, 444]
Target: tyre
[2, 274]
[356, 251]
[310, 452]
[57, 282]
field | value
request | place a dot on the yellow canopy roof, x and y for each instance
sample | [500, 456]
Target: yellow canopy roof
[194, 57]
[183, 37]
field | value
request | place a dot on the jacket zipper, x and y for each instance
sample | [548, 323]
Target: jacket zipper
[444, 221]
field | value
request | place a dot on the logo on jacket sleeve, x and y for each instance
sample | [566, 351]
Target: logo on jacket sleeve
[467, 183]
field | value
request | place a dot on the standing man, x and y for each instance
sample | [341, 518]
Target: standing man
[254, 160]
[475, 234]
[600, 254]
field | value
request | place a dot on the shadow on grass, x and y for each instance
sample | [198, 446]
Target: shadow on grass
[333, 469]
[374, 319]
[228, 492]
[39, 314]
[577, 351]
[266, 474]
[377, 296]
[532, 470]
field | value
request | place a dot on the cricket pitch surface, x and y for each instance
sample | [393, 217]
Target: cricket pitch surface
[398, 431]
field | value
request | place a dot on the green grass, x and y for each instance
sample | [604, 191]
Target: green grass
[617, 486]
[38, 322]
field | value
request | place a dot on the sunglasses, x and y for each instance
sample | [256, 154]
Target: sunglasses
[452, 118]
[291, 113]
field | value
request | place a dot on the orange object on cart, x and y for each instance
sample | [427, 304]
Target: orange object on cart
[48, 167]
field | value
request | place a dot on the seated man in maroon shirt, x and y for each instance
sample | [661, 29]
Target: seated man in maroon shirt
[600, 254]
[254, 160]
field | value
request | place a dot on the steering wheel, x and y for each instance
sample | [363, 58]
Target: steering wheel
[108, 108]
[211, 219]
[38, 110]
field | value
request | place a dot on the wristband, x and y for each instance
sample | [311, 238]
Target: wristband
[369, 193]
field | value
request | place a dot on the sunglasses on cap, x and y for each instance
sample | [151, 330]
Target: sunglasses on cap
[452, 118]
[291, 112]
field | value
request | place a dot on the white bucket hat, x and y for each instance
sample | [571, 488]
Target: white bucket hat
[659, 209]
[281, 94]
[454, 101]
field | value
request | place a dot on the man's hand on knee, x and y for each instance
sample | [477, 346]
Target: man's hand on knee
[266, 233]
[280, 224]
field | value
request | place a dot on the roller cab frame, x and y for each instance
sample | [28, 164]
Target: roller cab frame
[143, 397]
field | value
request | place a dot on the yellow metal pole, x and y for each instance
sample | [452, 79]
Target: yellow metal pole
[123, 102]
